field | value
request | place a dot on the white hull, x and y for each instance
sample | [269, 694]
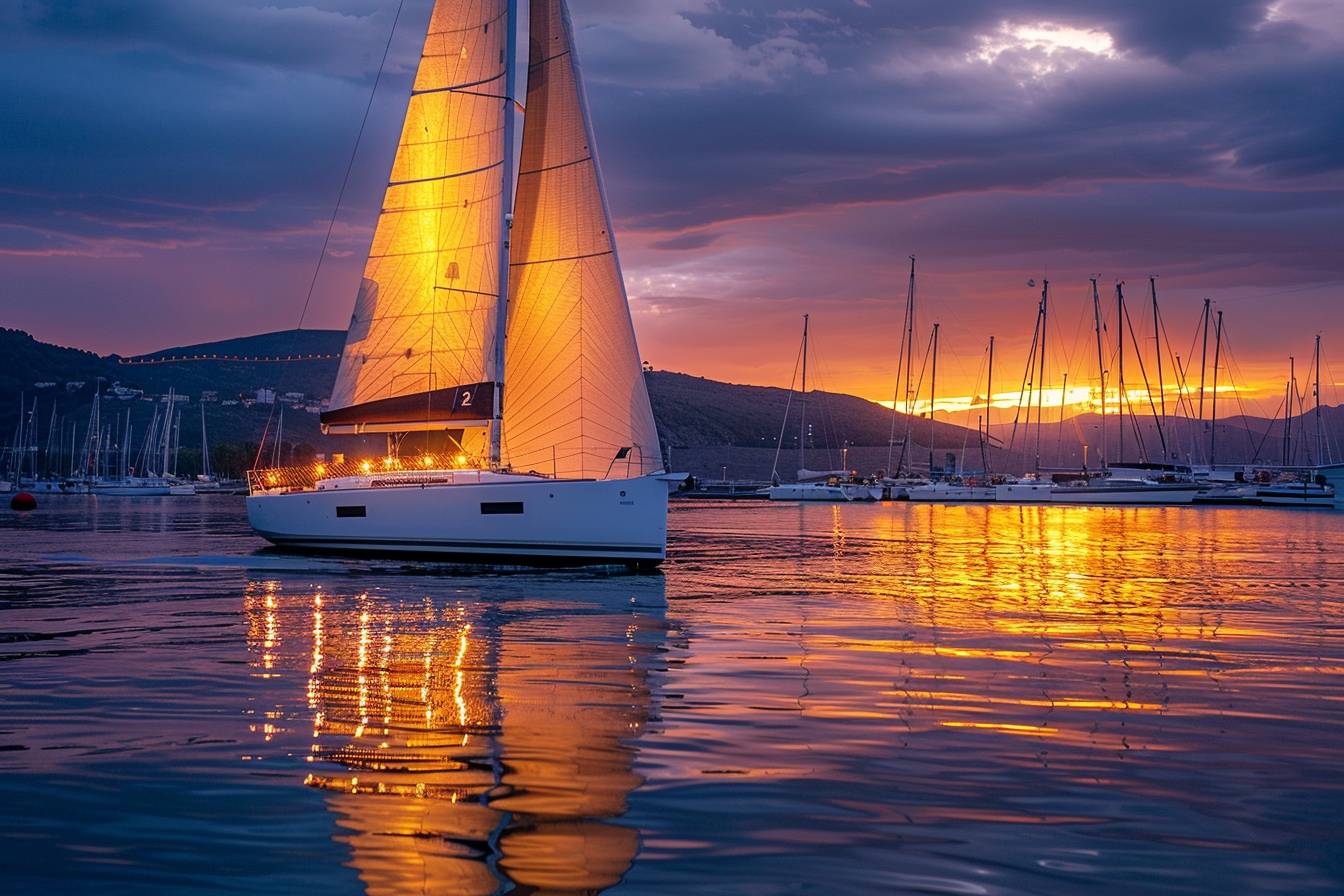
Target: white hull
[132, 491]
[816, 491]
[1124, 495]
[487, 517]
[954, 494]
[1296, 496]
[51, 487]
[141, 488]
[1025, 493]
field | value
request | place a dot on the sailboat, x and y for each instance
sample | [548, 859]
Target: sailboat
[948, 488]
[815, 485]
[497, 326]
[1132, 483]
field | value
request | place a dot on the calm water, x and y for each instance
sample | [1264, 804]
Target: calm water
[880, 699]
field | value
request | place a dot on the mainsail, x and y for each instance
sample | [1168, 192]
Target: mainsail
[420, 353]
[576, 404]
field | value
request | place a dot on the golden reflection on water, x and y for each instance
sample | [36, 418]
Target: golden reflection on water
[840, 676]
[1100, 631]
[465, 747]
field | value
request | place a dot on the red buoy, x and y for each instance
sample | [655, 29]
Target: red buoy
[23, 502]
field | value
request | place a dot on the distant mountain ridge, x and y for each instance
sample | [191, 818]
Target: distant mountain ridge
[692, 412]
[702, 419]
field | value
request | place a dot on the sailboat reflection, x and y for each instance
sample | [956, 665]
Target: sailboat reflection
[475, 743]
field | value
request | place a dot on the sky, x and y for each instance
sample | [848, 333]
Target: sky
[168, 168]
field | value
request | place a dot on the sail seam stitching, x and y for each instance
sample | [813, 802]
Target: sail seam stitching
[548, 59]
[521, 264]
[555, 167]
[425, 180]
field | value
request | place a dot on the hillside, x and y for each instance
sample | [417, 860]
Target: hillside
[692, 412]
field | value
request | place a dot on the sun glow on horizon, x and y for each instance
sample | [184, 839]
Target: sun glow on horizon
[1080, 399]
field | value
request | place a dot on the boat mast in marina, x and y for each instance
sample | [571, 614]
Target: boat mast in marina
[1213, 424]
[1157, 350]
[989, 410]
[1320, 429]
[1204, 355]
[1101, 364]
[1040, 391]
[802, 404]
[933, 398]
[904, 359]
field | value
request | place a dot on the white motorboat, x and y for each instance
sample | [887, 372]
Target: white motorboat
[1303, 493]
[1229, 493]
[1249, 486]
[898, 488]
[832, 491]
[1028, 490]
[466, 290]
[954, 493]
[1111, 490]
[133, 487]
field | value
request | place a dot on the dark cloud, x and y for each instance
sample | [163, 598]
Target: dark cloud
[686, 241]
[756, 152]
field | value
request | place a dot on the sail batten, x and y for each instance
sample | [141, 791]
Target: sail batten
[576, 398]
[424, 323]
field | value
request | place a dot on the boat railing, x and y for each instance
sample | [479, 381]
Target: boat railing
[386, 471]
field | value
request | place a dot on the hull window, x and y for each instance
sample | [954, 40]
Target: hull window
[351, 512]
[502, 507]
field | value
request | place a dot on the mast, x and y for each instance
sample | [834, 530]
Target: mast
[802, 405]
[279, 436]
[1123, 399]
[989, 407]
[1213, 428]
[1157, 349]
[909, 364]
[505, 225]
[933, 392]
[51, 432]
[205, 446]
[1320, 431]
[1290, 392]
[1059, 437]
[1040, 390]
[1203, 357]
[1101, 365]
[907, 349]
[168, 430]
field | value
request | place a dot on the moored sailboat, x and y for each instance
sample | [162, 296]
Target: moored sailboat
[830, 486]
[466, 290]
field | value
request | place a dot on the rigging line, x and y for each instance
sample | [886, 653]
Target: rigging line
[1232, 375]
[1027, 382]
[828, 428]
[779, 445]
[979, 376]
[919, 389]
[331, 225]
[896, 396]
